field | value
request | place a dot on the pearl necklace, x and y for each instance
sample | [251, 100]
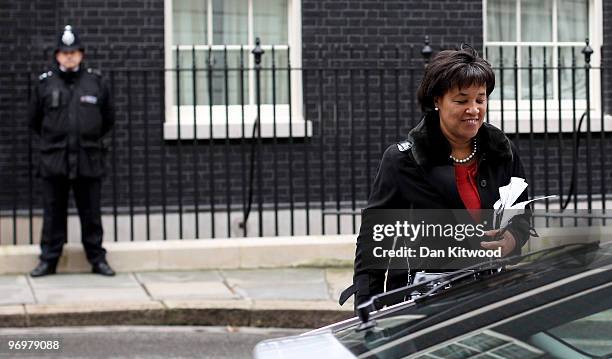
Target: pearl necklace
[468, 158]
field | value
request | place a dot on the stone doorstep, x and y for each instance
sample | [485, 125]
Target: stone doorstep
[282, 314]
[222, 253]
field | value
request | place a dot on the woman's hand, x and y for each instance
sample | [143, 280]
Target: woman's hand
[507, 242]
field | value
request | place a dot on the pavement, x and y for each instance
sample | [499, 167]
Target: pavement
[273, 297]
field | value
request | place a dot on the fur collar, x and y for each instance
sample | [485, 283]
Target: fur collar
[430, 147]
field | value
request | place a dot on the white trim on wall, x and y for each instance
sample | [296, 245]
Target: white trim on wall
[287, 125]
[510, 115]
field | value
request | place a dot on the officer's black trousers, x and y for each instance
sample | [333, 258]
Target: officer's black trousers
[55, 202]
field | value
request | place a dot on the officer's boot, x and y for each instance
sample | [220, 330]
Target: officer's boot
[43, 268]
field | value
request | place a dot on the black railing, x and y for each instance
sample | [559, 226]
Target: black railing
[292, 150]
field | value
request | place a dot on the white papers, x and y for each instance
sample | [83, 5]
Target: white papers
[508, 194]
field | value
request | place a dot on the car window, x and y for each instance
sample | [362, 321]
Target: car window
[484, 345]
[591, 335]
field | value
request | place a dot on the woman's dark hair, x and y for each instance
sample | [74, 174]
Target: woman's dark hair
[454, 68]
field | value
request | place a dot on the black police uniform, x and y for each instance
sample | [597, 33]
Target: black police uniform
[417, 173]
[71, 111]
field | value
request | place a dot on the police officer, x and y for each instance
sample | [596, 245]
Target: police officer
[71, 111]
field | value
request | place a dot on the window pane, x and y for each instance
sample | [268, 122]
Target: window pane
[573, 20]
[184, 90]
[270, 21]
[189, 22]
[536, 20]
[230, 22]
[501, 20]
[280, 84]
[226, 71]
[536, 73]
[494, 55]
[572, 81]
[218, 78]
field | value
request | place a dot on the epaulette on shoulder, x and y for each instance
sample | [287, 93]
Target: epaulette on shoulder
[404, 146]
[45, 75]
[95, 72]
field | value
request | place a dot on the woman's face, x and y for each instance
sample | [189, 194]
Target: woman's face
[462, 112]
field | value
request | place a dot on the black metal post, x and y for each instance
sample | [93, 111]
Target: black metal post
[129, 152]
[587, 51]
[257, 53]
[194, 149]
[337, 147]
[211, 143]
[179, 152]
[560, 131]
[602, 136]
[145, 84]
[30, 176]
[274, 142]
[243, 141]
[290, 149]
[545, 149]
[114, 163]
[321, 143]
[228, 183]
[162, 162]
[307, 144]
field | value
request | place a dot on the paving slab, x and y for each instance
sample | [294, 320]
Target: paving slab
[185, 285]
[15, 295]
[244, 304]
[338, 279]
[12, 280]
[15, 290]
[281, 283]
[124, 280]
[190, 290]
[179, 276]
[79, 295]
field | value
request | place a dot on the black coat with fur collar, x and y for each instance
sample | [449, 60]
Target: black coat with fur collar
[418, 173]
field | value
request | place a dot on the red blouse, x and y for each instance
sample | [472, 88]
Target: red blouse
[466, 177]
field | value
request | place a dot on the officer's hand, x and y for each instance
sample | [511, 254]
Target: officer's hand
[507, 242]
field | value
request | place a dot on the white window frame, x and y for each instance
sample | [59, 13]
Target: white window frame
[526, 113]
[220, 129]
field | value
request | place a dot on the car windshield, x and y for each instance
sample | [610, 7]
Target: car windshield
[580, 327]
[531, 273]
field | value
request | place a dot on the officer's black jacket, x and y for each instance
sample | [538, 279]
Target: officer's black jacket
[418, 174]
[71, 112]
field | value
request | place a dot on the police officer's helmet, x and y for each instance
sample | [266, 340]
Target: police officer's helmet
[68, 40]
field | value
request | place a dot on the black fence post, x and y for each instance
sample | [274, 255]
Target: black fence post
[211, 141]
[602, 135]
[257, 53]
[587, 51]
[194, 145]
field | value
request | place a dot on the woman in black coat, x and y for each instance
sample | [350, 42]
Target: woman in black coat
[451, 160]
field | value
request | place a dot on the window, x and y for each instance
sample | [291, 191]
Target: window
[544, 40]
[209, 44]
